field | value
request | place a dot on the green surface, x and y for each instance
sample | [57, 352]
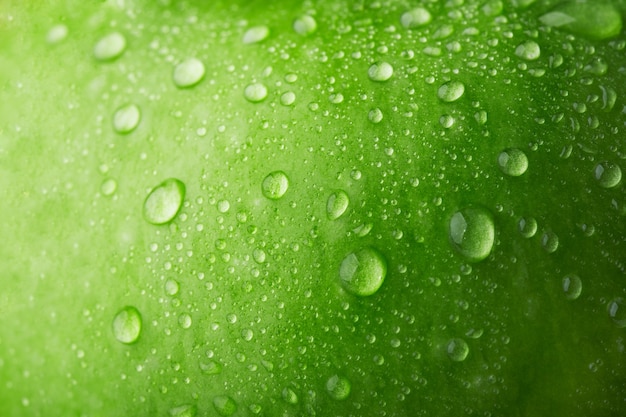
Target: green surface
[298, 133]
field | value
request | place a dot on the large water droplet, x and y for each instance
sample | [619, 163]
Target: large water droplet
[338, 387]
[171, 287]
[255, 93]
[527, 226]
[187, 410]
[608, 174]
[380, 71]
[528, 50]
[275, 185]
[363, 272]
[337, 204]
[188, 73]
[304, 25]
[415, 18]
[224, 405]
[457, 349]
[110, 47]
[126, 118]
[550, 241]
[451, 91]
[472, 233]
[164, 201]
[256, 34]
[375, 115]
[513, 162]
[127, 325]
[617, 311]
[593, 19]
[572, 286]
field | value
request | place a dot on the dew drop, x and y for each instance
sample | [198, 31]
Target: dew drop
[375, 115]
[362, 272]
[108, 187]
[550, 241]
[415, 18]
[171, 287]
[256, 34]
[224, 405]
[186, 410]
[188, 73]
[275, 185]
[126, 118]
[110, 47]
[472, 233]
[380, 71]
[288, 98]
[617, 311]
[127, 325]
[513, 162]
[338, 387]
[451, 91]
[164, 202]
[255, 92]
[184, 320]
[210, 367]
[337, 204]
[593, 20]
[457, 350]
[527, 226]
[57, 34]
[608, 174]
[572, 286]
[305, 25]
[290, 396]
[528, 50]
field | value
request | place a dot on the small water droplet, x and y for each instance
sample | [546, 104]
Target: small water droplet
[608, 174]
[275, 185]
[527, 226]
[472, 233]
[572, 286]
[513, 162]
[108, 187]
[380, 71]
[528, 50]
[338, 387]
[164, 202]
[375, 115]
[416, 18]
[305, 25]
[126, 118]
[617, 311]
[224, 405]
[110, 47]
[184, 320]
[288, 98]
[337, 204]
[451, 91]
[256, 34]
[171, 287]
[362, 272]
[457, 350]
[550, 241]
[57, 34]
[255, 92]
[290, 396]
[210, 367]
[188, 73]
[127, 325]
[186, 410]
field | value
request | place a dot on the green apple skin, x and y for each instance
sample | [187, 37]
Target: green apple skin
[344, 288]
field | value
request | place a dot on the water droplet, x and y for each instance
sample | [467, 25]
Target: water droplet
[56, 34]
[593, 20]
[446, 121]
[184, 320]
[164, 202]
[224, 405]
[110, 47]
[126, 118]
[375, 115]
[188, 73]
[572, 286]
[472, 233]
[259, 255]
[451, 91]
[617, 311]
[171, 287]
[363, 272]
[256, 34]
[380, 71]
[255, 92]
[513, 162]
[415, 18]
[288, 98]
[186, 410]
[247, 334]
[275, 185]
[550, 241]
[305, 25]
[127, 325]
[337, 204]
[210, 367]
[457, 349]
[528, 50]
[108, 187]
[338, 387]
[527, 226]
[608, 174]
[290, 396]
